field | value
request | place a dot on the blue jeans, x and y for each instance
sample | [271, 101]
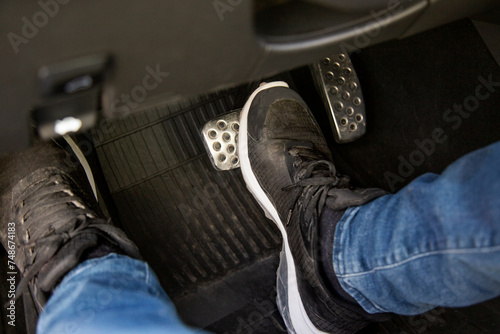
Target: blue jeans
[112, 294]
[434, 243]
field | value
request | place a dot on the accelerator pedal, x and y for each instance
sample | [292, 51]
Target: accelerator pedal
[338, 84]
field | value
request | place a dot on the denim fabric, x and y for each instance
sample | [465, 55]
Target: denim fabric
[434, 243]
[112, 294]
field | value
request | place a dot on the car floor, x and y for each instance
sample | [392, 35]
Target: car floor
[214, 251]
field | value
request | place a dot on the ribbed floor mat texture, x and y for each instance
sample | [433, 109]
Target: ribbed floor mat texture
[192, 224]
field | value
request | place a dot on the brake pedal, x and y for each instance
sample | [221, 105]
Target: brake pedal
[340, 90]
[221, 137]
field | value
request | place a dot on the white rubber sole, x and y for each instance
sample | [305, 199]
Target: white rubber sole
[83, 161]
[291, 307]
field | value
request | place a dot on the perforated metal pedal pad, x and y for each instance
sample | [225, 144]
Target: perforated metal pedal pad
[221, 137]
[340, 90]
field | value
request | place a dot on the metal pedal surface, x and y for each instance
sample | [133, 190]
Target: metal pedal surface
[220, 137]
[340, 90]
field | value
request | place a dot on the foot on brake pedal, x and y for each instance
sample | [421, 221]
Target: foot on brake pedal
[220, 137]
[340, 90]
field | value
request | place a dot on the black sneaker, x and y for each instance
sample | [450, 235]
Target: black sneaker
[50, 219]
[287, 166]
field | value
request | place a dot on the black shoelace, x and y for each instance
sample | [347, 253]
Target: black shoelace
[316, 176]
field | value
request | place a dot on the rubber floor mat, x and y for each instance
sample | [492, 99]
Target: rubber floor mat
[192, 224]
